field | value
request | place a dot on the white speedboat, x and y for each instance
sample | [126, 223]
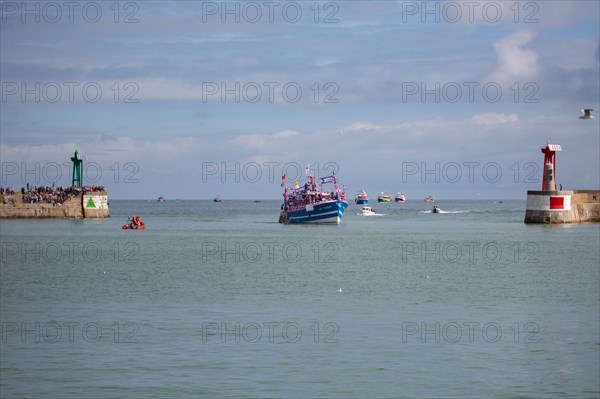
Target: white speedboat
[429, 199]
[400, 197]
[366, 211]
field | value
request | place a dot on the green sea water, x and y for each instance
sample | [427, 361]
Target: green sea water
[219, 300]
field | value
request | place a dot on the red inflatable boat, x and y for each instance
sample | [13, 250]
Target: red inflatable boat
[135, 223]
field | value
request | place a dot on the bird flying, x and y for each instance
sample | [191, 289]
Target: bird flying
[587, 114]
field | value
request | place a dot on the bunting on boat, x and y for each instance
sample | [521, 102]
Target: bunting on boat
[310, 204]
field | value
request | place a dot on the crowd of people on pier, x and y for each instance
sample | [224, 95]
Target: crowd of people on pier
[48, 194]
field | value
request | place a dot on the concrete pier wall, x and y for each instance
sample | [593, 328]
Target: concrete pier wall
[566, 206]
[74, 208]
[95, 205]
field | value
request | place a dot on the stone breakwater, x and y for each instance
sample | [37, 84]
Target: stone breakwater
[93, 204]
[563, 206]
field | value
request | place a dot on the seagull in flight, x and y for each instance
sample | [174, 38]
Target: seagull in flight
[587, 114]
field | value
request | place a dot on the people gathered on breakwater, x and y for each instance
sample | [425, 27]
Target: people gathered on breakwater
[48, 195]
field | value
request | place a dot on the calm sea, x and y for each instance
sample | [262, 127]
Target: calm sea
[219, 300]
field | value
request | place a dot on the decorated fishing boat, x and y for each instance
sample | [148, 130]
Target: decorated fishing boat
[400, 197]
[384, 197]
[312, 204]
[361, 198]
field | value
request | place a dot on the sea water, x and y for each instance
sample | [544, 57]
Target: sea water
[220, 300]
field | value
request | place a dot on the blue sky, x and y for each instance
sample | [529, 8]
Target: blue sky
[191, 99]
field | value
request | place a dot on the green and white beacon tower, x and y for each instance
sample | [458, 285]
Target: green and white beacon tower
[77, 169]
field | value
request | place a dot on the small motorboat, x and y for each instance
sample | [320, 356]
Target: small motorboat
[217, 199]
[160, 199]
[400, 197]
[366, 211]
[134, 223]
[436, 209]
[429, 198]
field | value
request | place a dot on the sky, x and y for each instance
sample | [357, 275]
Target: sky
[193, 99]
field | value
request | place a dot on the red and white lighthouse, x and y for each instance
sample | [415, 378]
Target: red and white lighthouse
[549, 180]
[560, 206]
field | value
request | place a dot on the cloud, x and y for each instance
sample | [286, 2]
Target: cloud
[514, 62]
[105, 150]
[285, 133]
[361, 127]
[493, 118]
[176, 165]
[364, 62]
[272, 141]
[324, 62]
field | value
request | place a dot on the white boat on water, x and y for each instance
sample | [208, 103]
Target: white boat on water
[400, 197]
[366, 211]
[429, 198]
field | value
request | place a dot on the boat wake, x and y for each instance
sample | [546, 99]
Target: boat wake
[440, 211]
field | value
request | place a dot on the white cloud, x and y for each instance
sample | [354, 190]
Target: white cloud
[324, 62]
[493, 118]
[368, 55]
[514, 62]
[170, 89]
[361, 127]
[262, 142]
[285, 133]
[104, 150]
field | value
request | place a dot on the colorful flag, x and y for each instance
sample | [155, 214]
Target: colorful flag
[296, 183]
[307, 170]
[328, 179]
[282, 180]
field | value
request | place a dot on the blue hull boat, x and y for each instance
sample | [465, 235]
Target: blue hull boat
[330, 212]
[312, 204]
[362, 198]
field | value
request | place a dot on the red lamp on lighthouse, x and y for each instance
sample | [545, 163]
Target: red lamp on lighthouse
[549, 180]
